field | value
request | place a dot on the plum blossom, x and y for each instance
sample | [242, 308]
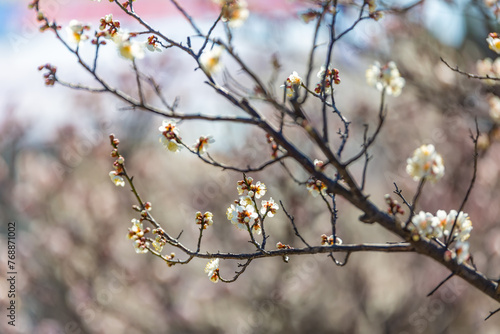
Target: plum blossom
[242, 215]
[117, 179]
[169, 136]
[212, 269]
[269, 208]
[494, 42]
[494, 102]
[293, 84]
[205, 219]
[425, 163]
[385, 77]
[153, 44]
[328, 240]
[316, 187]
[202, 144]
[129, 49]
[254, 190]
[210, 60]
[332, 74]
[462, 251]
[75, 31]
[136, 234]
[158, 243]
[425, 225]
[234, 12]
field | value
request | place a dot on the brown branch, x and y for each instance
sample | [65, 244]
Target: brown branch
[469, 75]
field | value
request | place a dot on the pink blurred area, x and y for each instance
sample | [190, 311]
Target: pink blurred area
[87, 9]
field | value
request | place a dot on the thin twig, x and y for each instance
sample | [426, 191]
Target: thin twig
[440, 284]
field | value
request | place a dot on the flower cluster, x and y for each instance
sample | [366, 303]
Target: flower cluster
[128, 47]
[109, 27]
[169, 136]
[328, 240]
[244, 213]
[50, 75]
[425, 163]
[489, 68]
[274, 145]
[212, 269]
[234, 12]
[75, 31]
[293, 84]
[393, 207]
[137, 234]
[210, 60]
[386, 78]
[258, 190]
[205, 219]
[330, 75]
[116, 175]
[456, 225]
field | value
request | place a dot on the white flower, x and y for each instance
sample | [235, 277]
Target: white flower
[140, 247]
[202, 144]
[117, 179]
[75, 31]
[494, 42]
[153, 44]
[205, 219]
[246, 200]
[318, 164]
[234, 12]
[463, 225]
[425, 225]
[328, 241]
[494, 102]
[212, 269]
[169, 136]
[462, 250]
[425, 162]
[441, 222]
[385, 77]
[259, 189]
[316, 187]
[136, 234]
[331, 75]
[242, 216]
[210, 60]
[129, 49]
[136, 231]
[293, 84]
[158, 243]
[269, 208]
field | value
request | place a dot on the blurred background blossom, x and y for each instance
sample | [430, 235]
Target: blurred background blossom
[78, 273]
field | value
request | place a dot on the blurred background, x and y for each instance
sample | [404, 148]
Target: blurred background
[77, 271]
